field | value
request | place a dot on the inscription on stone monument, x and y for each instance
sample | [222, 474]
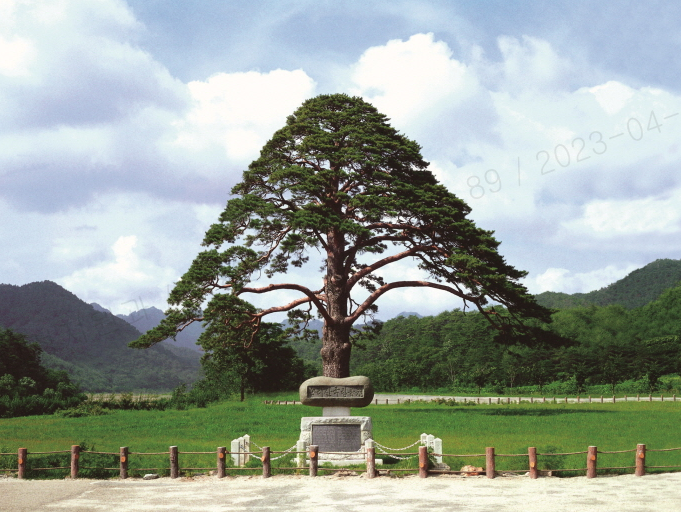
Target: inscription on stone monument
[337, 438]
[335, 391]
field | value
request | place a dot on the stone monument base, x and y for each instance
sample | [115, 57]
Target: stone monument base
[344, 435]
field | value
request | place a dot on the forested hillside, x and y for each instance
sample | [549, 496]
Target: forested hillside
[583, 346]
[637, 289]
[91, 345]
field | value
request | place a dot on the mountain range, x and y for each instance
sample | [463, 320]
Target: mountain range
[91, 343]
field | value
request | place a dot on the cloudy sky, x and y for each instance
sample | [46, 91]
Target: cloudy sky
[123, 126]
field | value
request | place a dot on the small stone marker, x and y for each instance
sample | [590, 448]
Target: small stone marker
[150, 476]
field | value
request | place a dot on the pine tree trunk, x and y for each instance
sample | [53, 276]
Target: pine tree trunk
[336, 350]
[336, 335]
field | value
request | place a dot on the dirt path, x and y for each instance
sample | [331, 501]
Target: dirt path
[659, 493]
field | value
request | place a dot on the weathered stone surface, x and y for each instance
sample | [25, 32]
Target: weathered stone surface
[331, 392]
[338, 437]
[321, 429]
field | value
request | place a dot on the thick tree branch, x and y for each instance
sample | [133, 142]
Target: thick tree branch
[406, 284]
[412, 251]
[315, 297]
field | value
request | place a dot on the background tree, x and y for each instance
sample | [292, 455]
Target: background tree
[26, 386]
[265, 365]
[338, 179]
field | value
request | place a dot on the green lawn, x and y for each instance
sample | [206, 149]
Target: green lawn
[463, 429]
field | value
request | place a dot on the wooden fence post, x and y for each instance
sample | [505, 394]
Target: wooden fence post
[371, 462]
[640, 460]
[532, 454]
[314, 459]
[75, 455]
[123, 472]
[222, 455]
[591, 463]
[23, 452]
[266, 462]
[423, 461]
[490, 469]
[174, 463]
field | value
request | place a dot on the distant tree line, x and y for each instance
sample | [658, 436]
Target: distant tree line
[582, 347]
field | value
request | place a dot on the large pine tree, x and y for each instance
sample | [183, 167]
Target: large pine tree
[338, 179]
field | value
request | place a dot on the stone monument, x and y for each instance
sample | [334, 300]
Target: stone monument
[336, 430]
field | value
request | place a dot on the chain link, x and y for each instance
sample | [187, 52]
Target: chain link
[286, 452]
[381, 449]
[397, 449]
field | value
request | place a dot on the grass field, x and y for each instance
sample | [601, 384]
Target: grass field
[463, 429]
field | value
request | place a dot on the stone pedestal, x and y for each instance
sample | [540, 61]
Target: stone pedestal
[336, 430]
[335, 411]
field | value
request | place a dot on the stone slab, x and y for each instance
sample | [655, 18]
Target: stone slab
[331, 392]
[347, 434]
[338, 437]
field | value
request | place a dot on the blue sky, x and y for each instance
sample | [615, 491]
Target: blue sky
[123, 126]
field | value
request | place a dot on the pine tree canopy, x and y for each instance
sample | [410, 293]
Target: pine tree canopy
[339, 181]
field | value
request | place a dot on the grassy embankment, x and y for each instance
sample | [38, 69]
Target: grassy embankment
[463, 429]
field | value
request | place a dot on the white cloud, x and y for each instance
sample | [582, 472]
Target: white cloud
[124, 276]
[239, 112]
[612, 96]
[563, 280]
[16, 56]
[410, 80]
[617, 218]
[531, 65]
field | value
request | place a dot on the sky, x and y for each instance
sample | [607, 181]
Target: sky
[124, 126]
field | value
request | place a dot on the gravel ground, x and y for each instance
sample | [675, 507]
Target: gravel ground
[659, 493]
